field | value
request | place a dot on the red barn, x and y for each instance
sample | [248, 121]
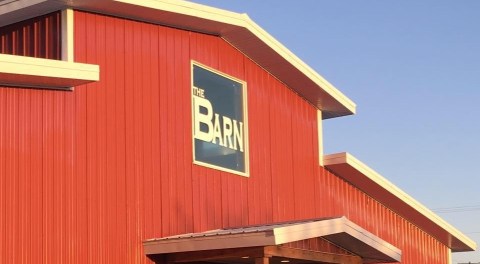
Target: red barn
[140, 131]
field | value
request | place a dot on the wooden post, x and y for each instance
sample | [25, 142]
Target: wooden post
[263, 260]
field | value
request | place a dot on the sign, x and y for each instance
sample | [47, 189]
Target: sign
[220, 138]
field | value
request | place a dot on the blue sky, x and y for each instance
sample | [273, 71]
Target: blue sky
[413, 69]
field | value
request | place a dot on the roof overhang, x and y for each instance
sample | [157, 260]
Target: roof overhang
[340, 231]
[238, 29]
[373, 184]
[21, 71]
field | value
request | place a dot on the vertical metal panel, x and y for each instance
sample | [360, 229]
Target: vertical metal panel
[37, 37]
[86, 176]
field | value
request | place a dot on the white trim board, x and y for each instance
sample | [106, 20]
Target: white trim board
[21, 71]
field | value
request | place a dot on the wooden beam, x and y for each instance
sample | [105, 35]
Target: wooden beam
[261, 255]
[262, 260]
[218, 254]
[158, 259]
[301, 254]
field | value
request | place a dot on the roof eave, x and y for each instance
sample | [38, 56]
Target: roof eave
[238, 29]
[373, 184]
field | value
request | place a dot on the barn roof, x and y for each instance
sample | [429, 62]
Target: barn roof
[237, 29]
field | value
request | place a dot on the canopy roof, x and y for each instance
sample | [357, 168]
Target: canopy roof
[340, 231]
[238, 29]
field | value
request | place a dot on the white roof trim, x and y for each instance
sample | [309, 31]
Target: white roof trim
[411, 209]
[278, 234]
[244, 21]
[24, 71]
[238, 29]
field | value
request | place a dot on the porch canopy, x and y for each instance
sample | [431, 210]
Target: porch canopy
[272, 244]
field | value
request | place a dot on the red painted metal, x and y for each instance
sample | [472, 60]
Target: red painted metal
[37, 37]
[86, 176]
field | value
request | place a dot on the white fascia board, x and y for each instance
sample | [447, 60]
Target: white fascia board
[331, 227]
[373, 241]
[191, 9]
[207, 243]
[304, 231]
[299, 64]
[44, 73]
[346, 158]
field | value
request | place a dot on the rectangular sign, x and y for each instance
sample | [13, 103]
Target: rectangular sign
[219, 114]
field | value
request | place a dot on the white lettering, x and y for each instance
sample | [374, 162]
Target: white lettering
[199, 92]
[205, 119]
[217, 132]
[228, 134]
[238, 135]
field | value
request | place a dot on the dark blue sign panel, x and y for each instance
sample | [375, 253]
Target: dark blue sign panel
[219, 121]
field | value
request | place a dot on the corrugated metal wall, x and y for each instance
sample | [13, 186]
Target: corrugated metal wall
[86, 176]
[35, 144]
[38, 37]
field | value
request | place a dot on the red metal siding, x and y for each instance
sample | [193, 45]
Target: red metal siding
[86, 176]
[36, 173]
[37, 37]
